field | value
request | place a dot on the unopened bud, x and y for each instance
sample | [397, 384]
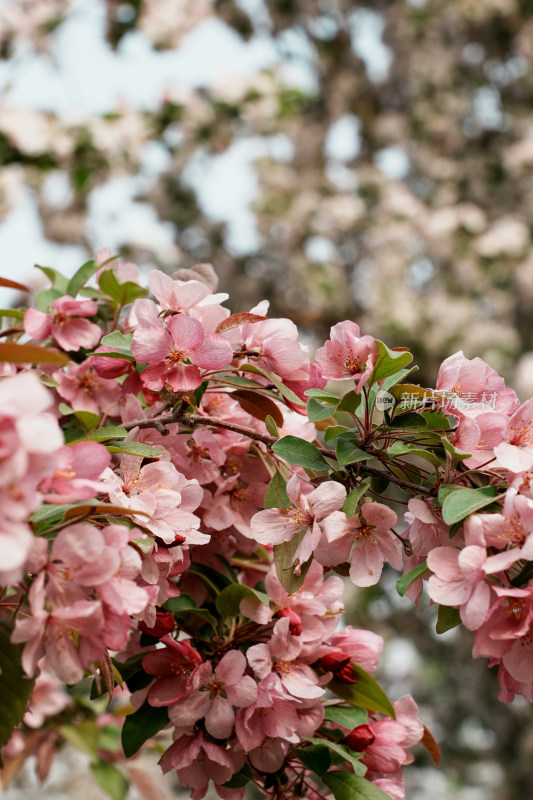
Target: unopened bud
[164, 623]
[340, 665]
[295, 623]
[360, 738]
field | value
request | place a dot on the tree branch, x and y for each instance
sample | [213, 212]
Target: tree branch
[251, 433]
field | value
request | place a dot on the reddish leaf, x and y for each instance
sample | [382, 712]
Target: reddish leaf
[31, 354]
[238, 319]
[14, 285]
[258, 405]
[107, 673]
[430, 743]
[102, 508]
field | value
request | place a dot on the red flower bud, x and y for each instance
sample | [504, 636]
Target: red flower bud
[340, 664]
[295, 623]
[164, 623]
[360, 738]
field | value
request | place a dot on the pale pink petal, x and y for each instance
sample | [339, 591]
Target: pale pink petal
[75, 333]
[513, 458]
[275, 525]
[187, 333]
[326, 498]
[151, 344]
[184, 378]
[37, 324]
[243, 693]
[215, 352]
[259, 659]
[220, 718]
[475, 611]
[231, 667]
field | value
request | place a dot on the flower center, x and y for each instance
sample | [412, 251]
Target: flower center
[175, 358]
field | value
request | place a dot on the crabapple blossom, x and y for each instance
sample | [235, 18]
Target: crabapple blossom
[66, 323]
[347, 354]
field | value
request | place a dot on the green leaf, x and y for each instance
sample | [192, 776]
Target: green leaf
[352, 501]
[81, 277]
[185, 605]
[436, 420]
[118, 341]
[303, 454]
[333, 431]
[276, 494]
[316, 757]
[447, 619]
[456, 455]
[83, 736]
[122, 292]
[15, 686]
[214, 580]
[287, 393]
[240, 778]
[270, 424]
[238, 380]
[403, 583]
[134, 449]
[366, 692]
[347, 786]
[409, 421]
[390, 361]
[317, 411]
[347, 716]
[345, 755]
[57, 280]
[460, 504]
[404, 448]
[350, 402]
[44, 299]
[48, 516]
[141, 726]
[347, 451]
[15, 313]
[283, 558]
[320, 394]
[110, 779]
[229, 600]
[104, 434]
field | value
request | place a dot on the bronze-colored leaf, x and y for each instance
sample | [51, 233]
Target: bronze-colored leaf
[14, 285]
[102, 508]
[238, 319]
[258, 405]
[107, 673]
[31, 354]
[430, 743]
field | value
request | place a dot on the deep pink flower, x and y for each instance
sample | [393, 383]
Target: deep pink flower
[173, 666]
[85, 390]
[174, 355]
[277, 525]
[476, 387]
[368, 534]
[78, 468]
[65, 323]
[347, 354]
[214, 694]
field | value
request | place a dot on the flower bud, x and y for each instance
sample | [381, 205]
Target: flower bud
[340, 665]
[295, 623]
[360, 738]
[164, 624]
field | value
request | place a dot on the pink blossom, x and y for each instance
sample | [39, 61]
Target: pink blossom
[177, 295]
[85, 390]
[233, 503]
[65, 323]
[277, 525]
[272, 715]
[366, 536]
[477, 386]
[198, 760]
[52, 634]
[459, 580]
[173, 665]
[281, 655]
[47, 699]
[165, 496]
[78, 468]
[174, 355]
[507, 633]
[347, 354]
[515, 453]
[214, 694]
[381, 742]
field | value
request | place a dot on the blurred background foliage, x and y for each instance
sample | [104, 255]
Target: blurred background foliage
[361, 160]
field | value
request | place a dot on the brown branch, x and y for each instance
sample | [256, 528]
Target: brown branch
[251, 433]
